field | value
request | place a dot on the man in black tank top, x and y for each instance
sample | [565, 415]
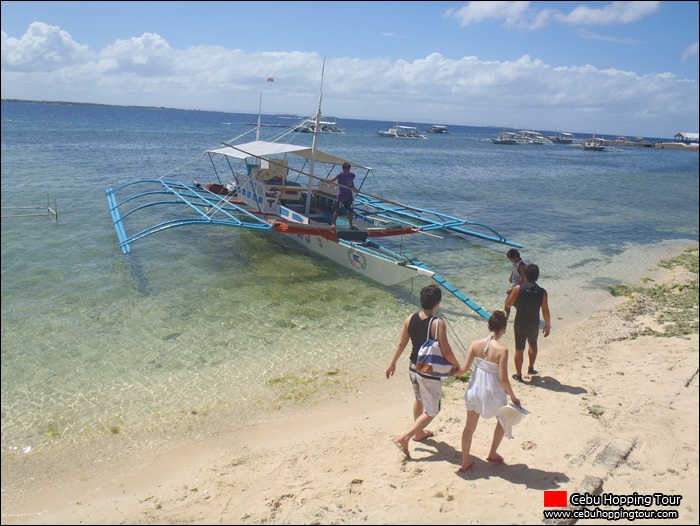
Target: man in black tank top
[427, 390]
[528, 298]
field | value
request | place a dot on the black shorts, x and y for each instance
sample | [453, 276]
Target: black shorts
[345, 204]
[526, 334]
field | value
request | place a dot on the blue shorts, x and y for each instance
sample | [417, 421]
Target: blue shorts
[526, 334]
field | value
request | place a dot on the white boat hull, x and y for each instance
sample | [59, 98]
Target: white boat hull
[361, 259]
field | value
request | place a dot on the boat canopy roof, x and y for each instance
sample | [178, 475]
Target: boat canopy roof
[264, 149]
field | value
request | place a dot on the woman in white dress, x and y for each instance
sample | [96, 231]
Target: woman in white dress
[488, 386]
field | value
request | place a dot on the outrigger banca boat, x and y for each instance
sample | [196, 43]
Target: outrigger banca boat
[273, 187]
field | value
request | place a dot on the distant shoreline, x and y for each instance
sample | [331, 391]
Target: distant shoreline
[68, 103]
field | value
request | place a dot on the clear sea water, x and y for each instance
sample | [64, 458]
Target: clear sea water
[200, 331]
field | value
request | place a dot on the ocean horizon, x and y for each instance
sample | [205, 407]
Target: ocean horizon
[424, 125]
[203, 330]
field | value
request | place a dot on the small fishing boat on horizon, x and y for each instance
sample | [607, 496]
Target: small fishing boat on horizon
[561, 138]
[437, 128]
[328, 126]
[533, 137]
[506, 138]
[598, 144]
[402, 132]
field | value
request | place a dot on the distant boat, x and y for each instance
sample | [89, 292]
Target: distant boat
[561, 138]
[533, 137]
[593, 145]
[597, 144]
[506, 138]
[402, 132]
[263, 124]
[438, 128]
[621, 140]
[309, 126]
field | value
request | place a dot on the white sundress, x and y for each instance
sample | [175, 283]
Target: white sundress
[485, 394]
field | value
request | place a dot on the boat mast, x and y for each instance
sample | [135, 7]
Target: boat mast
[317, 127]
[257, 132]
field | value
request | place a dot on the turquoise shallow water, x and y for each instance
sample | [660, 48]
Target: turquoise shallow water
[201, 330]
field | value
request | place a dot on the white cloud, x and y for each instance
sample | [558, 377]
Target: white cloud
[521, 15]
[42, 48]
[614, 13]
[589, 35]
[148, 54]
[513, 13]
[46, 64]
[690, 51]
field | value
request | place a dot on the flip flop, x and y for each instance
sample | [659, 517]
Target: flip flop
[464, 470]
[428, 435]
[518, 377]
[495, 460]
[532, 371]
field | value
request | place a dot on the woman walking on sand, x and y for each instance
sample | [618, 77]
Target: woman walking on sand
[488, 387]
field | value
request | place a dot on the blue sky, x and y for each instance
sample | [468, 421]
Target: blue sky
[608, 67]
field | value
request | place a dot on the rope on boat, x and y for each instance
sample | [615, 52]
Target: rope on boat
[451, 289]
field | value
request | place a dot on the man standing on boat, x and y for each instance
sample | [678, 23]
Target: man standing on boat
[346, 188]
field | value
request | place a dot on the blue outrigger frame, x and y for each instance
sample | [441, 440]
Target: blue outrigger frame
[201, 200]
[211, 209]
[369, 207]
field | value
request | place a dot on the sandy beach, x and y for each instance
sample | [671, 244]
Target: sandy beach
[613, 411]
